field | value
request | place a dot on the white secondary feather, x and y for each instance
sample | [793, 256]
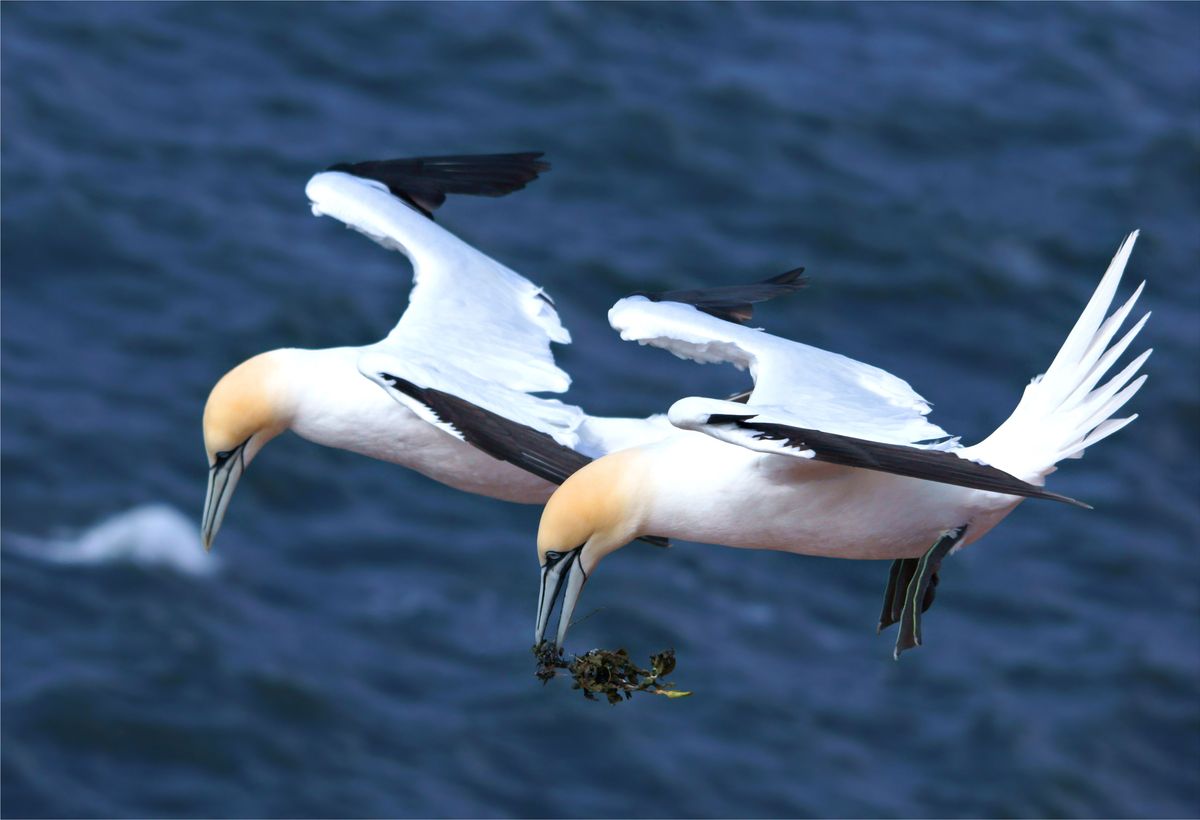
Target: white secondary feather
[794, 383]
[466, 311]
[599, 435]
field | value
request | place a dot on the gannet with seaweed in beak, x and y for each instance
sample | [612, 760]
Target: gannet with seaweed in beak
[475, 334]
[830, 457]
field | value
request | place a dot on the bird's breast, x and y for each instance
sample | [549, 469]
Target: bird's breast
[348, 412]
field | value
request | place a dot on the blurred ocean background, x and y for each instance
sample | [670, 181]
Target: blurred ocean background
[955, 178]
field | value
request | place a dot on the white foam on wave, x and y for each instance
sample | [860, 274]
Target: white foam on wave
[155, 535]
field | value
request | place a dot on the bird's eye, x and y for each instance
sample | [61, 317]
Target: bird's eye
[223, 456]
[552, 555]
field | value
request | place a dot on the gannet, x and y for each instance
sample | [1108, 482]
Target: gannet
[827, 456]
[474, 331]
[830, 457]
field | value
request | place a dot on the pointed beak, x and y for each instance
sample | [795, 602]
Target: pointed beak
[222, 479]
[559, 568]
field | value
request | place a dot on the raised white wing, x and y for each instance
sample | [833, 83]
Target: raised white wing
[794, 384]
[466, 311]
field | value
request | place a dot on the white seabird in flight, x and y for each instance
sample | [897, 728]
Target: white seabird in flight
[475, 333]
[827, 456]
[830, 457]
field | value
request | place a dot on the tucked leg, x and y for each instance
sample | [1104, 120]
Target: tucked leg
[919, 593]
[893, 597]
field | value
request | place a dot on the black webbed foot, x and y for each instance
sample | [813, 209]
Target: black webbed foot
[898, 581]
[934, 580]
[920, 588]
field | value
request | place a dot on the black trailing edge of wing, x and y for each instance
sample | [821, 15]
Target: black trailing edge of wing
[719, 419]
[930, 465]
[518, 444]
[503, 439]
[733, 303]
[423, 182]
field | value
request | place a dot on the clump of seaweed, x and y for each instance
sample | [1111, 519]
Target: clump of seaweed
[608, 673]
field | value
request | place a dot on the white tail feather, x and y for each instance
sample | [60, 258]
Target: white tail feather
[1106, 361]
[1102, 432]
[1062, 412]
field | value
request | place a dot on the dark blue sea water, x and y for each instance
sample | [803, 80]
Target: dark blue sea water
[955, 178]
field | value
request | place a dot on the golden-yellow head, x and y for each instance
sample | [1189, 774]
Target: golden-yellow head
[247, 408]
[595, 512]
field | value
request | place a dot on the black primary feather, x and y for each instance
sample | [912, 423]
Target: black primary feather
[530, 449]
[930, 465]
[733, 303]
[424, 182]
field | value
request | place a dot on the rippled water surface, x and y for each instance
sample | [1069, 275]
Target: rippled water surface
[954, 177]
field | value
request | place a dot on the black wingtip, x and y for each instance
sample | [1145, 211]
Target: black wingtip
[728, 418]
[733, 303]
[1074, 502]
[794, 277]
[424, 182]
[525, 163]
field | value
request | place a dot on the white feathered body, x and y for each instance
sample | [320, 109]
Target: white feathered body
[700, 489]
[333, 405]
